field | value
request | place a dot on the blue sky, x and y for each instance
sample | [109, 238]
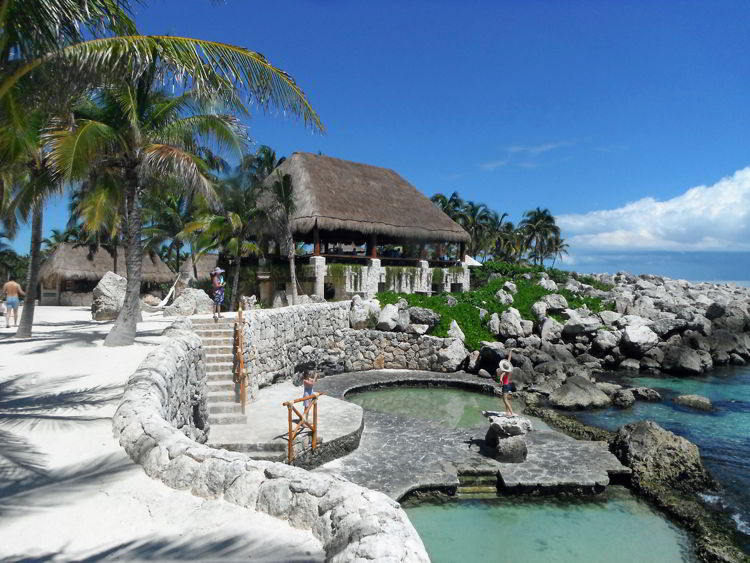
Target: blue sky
[582, 107]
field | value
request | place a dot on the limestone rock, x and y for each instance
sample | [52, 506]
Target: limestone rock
[682, 360]
[424, 316]
[363, 314]
[388, 319]
[578, 393]
[695, 401]
[109, 296]
[191, 301]
[455, 331]
[511, 450]
[494, 324]
[609, 318]
[646, 394]
[555, 302]
[539, 310]
[503, 297]
[510, 287]
[417, 329]
[623, 398]
[658, 456]
[636, 341]
[404, 320]
[451, 301]
[550, 329]
[503, 425]
[715, 310]
[630, 364]
[452, 356]
[548, 284]
[510, 324]
[665, 328]
[604, 342]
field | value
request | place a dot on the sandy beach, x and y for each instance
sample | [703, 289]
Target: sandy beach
[68, 491]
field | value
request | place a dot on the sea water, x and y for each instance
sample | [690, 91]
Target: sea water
[722, 435]
[614, 526]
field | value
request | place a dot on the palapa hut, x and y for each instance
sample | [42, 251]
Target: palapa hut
[342, 201]
[71, 272]
[351, 205]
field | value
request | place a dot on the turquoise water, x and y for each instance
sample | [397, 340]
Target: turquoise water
[618, 528]
[723, 436]
[453, 408]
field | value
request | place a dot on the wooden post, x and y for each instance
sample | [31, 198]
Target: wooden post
[373, 245]
[315, 422]
[316, 239]
[290, 445]
[462, 251]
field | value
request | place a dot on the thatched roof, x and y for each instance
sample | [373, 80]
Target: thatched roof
[205, 264]
[340, 195]
[70, 262]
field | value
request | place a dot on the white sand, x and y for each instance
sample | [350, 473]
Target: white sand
[91, 501]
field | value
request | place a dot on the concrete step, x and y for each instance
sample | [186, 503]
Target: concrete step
[222, 377]
[219, 359]
[214, 332]
[477, 496]
[218, 386]
[221, 396]
[224, 418]
[477, 490]
[210, 325]
[220, 367]
[225, 407]
[220, 342]
[216, 350]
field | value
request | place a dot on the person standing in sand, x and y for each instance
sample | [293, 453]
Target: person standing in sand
[504, 373]
[12, 292]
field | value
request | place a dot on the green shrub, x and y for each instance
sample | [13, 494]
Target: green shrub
[438, 276]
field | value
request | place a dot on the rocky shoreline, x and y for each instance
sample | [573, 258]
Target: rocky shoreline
[668, 473]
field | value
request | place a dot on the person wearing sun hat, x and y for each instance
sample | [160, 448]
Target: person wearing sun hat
[504, 373]
[217, 284]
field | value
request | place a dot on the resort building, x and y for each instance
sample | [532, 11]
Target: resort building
[366, 230]
[69, 275]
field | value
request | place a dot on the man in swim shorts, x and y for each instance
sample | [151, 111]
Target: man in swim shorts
[12, 292]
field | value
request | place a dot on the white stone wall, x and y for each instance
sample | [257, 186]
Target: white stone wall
[280, 339]
[153, 426]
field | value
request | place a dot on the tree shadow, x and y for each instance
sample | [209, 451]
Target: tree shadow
[27, 405]
[196, 548]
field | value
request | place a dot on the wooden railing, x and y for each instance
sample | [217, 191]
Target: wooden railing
[296, 428]
[240, 373]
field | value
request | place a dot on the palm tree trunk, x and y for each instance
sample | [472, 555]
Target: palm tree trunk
[29, 302]
[124, 329]
[235, 283]
[114, 257]
[195, 263]
[292, 270]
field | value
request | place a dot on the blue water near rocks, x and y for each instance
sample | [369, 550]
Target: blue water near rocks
[723, 436]
[615, 527]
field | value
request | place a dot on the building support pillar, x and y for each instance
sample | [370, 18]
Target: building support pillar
[316, 240]
[372, 281]
[372, 246]
[318, 264]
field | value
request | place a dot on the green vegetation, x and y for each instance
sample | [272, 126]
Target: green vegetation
[466, 311]
[438, 276]
[593, 282]
[336, 273]
[394, 273]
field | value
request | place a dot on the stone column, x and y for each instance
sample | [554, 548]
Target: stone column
[423, 285]
[465, 278]
[318, 264]
[373, 278]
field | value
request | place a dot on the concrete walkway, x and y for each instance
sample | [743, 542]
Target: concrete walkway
[264, 434]
[399, 454]
[67, 489]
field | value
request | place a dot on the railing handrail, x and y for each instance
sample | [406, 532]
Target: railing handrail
[240, 375]
[294, 430]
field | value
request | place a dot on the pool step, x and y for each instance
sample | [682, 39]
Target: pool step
[483, 485]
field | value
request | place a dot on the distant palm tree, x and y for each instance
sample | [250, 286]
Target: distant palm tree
[540, 227]
[282, 210]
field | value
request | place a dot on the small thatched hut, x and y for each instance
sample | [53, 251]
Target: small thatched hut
[342, 201]
[71, 271]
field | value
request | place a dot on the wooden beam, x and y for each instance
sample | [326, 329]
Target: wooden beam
[316, 240]
[373, 245]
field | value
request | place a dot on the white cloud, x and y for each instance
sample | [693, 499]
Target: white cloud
[713, 217]
[523, 156]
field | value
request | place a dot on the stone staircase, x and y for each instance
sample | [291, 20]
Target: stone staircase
[477, 485]
[218, 340]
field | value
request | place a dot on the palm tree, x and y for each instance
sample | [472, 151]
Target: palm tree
[474, 218]
[558, 247]
[539, 226]
[234, 229]
[44, 59]
[282, 211]
[145, 135]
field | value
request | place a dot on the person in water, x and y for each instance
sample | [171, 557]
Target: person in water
[12, 291]
[217, 284]
[504, 374]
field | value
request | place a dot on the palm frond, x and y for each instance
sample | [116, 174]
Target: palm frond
[71, 153]
[205, 66]
[224, 132]
[170, 160]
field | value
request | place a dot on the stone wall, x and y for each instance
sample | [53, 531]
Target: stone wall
[278, 340]
[161, 420]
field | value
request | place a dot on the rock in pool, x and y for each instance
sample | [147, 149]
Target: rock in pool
[694, 401]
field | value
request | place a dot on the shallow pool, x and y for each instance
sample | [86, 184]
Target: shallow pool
[616, 527]
[453, 408]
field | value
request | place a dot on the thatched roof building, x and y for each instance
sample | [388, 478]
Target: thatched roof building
[204, 265]
[70, 262]
[354, 202]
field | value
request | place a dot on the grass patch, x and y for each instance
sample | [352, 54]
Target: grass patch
[595, 283]
[466, 311]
